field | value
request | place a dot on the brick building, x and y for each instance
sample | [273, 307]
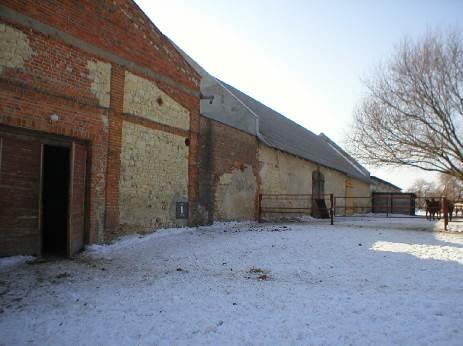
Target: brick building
[108, 128]
[99, 121]
[247, 148]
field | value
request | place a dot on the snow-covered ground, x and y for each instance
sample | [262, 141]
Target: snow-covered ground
[362, 281]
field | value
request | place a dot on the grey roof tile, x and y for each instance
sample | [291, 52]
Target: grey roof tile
[237, 109]
[284, 134]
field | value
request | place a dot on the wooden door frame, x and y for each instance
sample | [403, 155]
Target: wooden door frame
[45, 138]
[71, 194]
[40, 200]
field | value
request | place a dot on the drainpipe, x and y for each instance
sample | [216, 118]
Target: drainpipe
[256, 117]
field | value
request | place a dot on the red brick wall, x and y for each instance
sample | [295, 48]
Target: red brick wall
[26, 107]
[19, 193]
[222, 150]
[118, 26]
[55, 81]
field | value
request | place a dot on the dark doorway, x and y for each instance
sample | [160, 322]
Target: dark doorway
[318, 184]
[55, 200]
[319, 209]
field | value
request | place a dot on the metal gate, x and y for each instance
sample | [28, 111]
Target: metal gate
[455, 211]
[282, 206]
[328, 206]
[395, 205]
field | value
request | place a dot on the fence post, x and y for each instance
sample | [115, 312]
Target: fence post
[446, 214]
[391, 198]
[331, 207]
[259, 213]
[387, 204]
[410, 205]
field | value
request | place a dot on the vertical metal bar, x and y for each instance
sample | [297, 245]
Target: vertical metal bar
[446, 216]
[310, 204]
[331, 207]
[387, 204]
[409, 205]
[392, 204]
[259, 215]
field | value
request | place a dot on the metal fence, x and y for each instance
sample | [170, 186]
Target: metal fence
[328, 206]
[279, 206]
[393, 205]
[456, 211]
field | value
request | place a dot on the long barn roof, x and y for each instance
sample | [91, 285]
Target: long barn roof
[282, 133]
[226, 104]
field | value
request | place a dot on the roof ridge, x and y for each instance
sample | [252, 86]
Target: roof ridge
[348, 157]
[385, 182]
[280, 132]
[264, 105]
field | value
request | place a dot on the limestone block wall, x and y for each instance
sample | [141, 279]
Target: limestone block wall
[358, 197]
[144, 98]
[154, 176]
[361, 189]
[349, 201]
[281, 173]
[335, 183]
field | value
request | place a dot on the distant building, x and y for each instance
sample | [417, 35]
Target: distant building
[380, 185]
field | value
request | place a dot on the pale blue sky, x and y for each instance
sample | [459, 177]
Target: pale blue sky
[305, 59]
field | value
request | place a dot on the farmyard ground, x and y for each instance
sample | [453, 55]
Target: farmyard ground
[362, 281]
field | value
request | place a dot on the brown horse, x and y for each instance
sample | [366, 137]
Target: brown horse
[433, 207]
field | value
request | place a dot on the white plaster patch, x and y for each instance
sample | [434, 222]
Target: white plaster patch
[15, 48]
[143, 98]
[235, 195]
[154, 176]
[105, 121]
[100, 74]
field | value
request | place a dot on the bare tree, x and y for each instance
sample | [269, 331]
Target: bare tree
[451, 187]
[413, 112]
[423, 188]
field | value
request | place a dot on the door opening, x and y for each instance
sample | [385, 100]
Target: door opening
[319, 208]
[55, 200]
